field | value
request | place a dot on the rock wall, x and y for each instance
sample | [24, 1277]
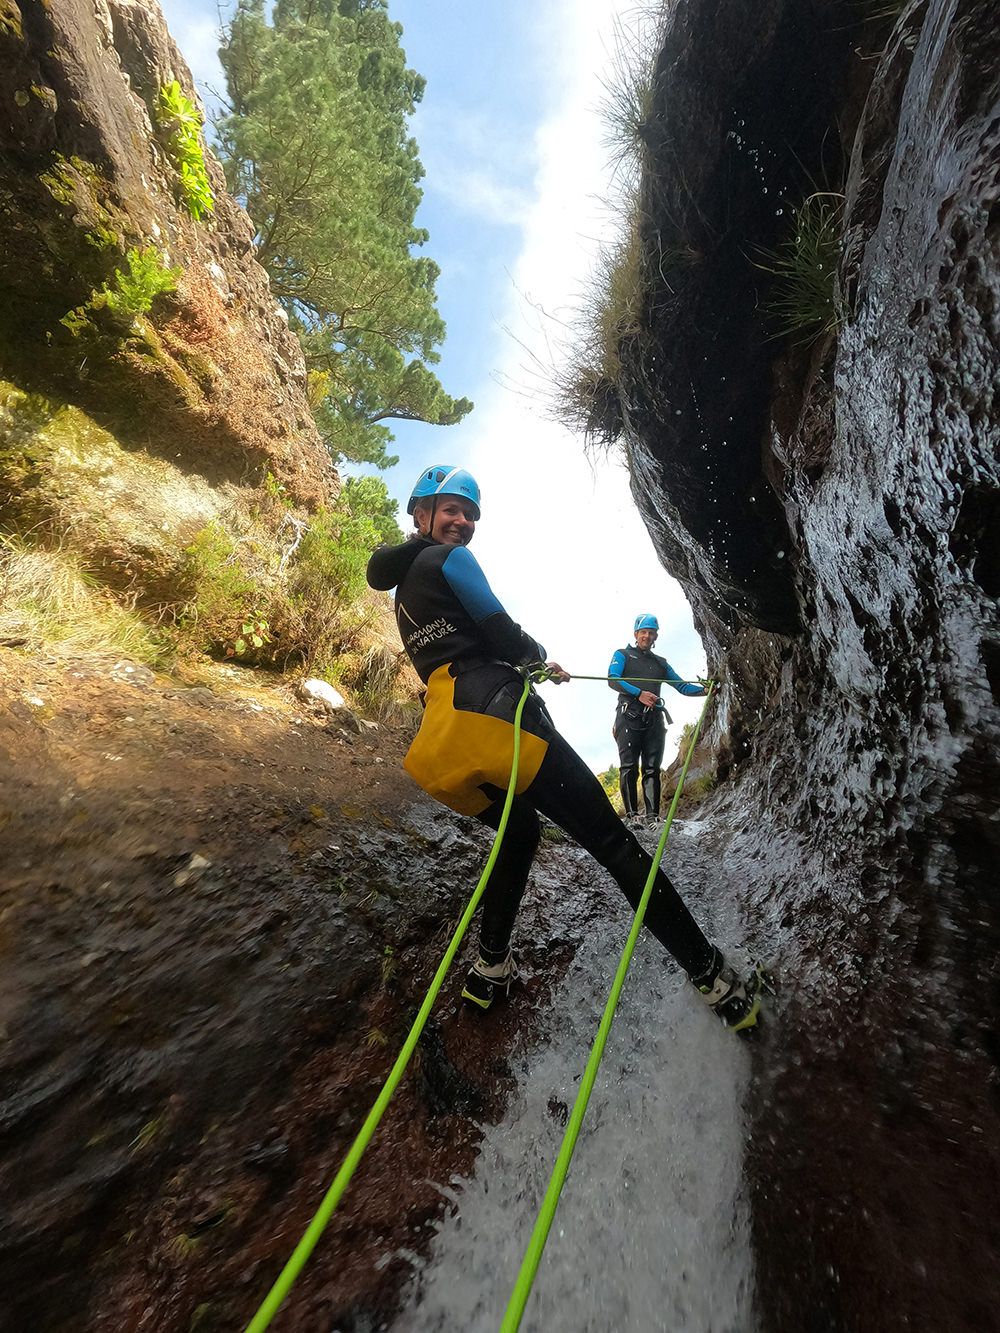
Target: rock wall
[833, 518]
[212, 381]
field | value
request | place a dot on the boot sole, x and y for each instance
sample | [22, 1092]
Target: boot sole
[760, 984]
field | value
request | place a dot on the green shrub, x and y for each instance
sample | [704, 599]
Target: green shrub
[684, 745]
[131, 293]
[627, 105]
[609, 780]
[224, 610]
[374, 675]
[178, 118]
[586, 386]
[333, 554]
[146, 278]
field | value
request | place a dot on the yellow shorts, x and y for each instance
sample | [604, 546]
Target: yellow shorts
[456, 750]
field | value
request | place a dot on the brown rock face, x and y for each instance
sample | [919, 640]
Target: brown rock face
[212, 380]
[861, 811]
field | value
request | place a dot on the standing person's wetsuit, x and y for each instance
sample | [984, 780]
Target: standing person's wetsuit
[640, 725]
[465, 647]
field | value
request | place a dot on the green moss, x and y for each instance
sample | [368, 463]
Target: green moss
[201, 368]
[10, 19]
[102, 238]
[77, 321]
[68, 177]
[145, 345]
[45, 95]
[85, 234]
[183, 1246]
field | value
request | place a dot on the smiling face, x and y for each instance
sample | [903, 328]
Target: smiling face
[454, 520]
[644, 639]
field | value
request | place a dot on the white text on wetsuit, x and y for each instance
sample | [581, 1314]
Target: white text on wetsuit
[420, 638]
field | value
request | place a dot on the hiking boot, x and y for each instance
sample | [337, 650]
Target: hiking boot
[487, 980]
[735, 1002]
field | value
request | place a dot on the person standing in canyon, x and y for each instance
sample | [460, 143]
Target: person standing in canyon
[470, 655]
[641, 718]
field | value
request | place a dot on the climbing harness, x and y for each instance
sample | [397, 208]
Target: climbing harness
[535, 672]
[334, 1194]
[543, 1223]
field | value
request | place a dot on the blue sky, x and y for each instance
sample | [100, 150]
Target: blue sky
[515, 200]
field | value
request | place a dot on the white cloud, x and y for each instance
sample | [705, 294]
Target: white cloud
[478, 166]
[480, 194]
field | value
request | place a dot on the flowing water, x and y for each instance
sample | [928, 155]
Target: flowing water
[652, 1230]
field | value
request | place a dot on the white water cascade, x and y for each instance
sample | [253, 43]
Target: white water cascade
[652, 1230]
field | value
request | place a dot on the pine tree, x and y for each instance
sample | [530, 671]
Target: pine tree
[369, 495]
[316, 147]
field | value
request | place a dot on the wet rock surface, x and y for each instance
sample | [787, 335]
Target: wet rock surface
[861, 810]
[743, 101]
[219, 918]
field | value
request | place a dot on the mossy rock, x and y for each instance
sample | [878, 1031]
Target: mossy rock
[128, 514]
[10, 19]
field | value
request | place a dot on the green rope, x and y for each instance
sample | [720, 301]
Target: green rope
[317, 1226]
[543, 1223]
[639, 680]
[541, 671]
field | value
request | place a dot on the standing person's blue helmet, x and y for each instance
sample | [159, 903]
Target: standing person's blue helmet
[646, 622]
[444, 480]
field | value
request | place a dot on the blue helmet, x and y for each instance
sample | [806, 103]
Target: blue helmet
[646, 622]
[443, 479]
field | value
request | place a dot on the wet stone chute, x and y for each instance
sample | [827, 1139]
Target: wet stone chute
[653, 1227]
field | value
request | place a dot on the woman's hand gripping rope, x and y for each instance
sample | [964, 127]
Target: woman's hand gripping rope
[537, 672]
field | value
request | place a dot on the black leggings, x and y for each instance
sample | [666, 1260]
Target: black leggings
[566, 791]
[637, 744]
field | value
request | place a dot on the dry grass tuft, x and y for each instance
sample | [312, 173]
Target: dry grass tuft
[585, 388]
[585, 396]
[47, 598]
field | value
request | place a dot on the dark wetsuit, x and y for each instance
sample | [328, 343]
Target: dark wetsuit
[640, 731]
[465, 648]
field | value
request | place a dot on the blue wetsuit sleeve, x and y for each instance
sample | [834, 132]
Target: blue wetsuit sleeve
[681, 686]
[615, 671]
[467, 581]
